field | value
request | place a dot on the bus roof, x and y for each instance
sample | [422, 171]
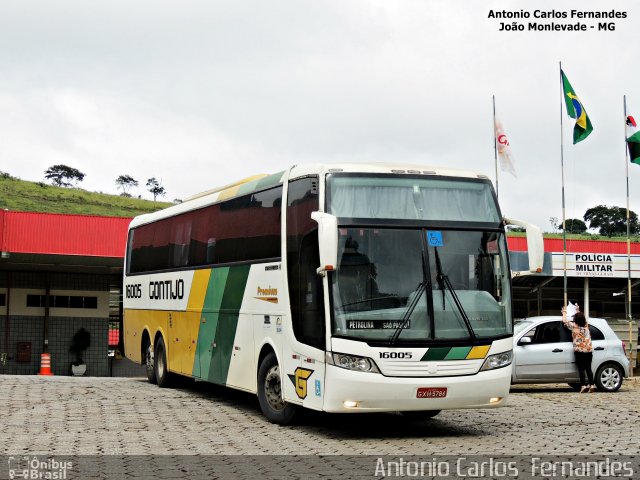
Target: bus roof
[263, 181]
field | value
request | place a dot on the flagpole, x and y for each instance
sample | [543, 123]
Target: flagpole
[629, 315]
[564, 229]
[495, 146]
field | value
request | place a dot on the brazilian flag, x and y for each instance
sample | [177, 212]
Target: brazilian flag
[576, 110]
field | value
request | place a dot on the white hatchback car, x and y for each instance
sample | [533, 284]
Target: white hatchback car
[543, 353]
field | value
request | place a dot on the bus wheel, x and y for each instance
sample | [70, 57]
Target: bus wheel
[420, 415]
[162, 374]
[270, 392]
[148, 362]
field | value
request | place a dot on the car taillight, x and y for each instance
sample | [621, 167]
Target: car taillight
[624, 348]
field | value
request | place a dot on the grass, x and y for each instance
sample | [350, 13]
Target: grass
[27, 196]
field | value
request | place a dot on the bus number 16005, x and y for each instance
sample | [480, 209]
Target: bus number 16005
[400, 355]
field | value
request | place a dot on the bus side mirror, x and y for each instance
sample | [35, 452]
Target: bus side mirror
[327, 241]
[535, 246]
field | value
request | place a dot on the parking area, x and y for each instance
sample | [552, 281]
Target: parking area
[124, 416]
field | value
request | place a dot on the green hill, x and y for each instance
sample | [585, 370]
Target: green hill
[40, 197]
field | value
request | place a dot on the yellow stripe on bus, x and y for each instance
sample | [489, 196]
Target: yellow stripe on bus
[228, 193]
[478, 352]
[198, 289]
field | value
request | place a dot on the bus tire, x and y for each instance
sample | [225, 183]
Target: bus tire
[149, 364]
[270, 392]
[164, 378]
[420, 415]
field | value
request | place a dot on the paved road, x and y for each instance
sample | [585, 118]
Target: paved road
[121, 416]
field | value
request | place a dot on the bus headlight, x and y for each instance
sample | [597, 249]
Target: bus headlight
[498, 360]
[353, 362]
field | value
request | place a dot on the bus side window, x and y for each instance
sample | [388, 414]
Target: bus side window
[305, 286]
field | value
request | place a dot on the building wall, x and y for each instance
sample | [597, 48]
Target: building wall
[25, 324]
[30, 329]
[19, 305]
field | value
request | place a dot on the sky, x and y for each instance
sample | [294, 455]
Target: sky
[202, 93]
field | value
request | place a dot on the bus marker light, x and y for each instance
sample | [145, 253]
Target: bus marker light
[350, 404]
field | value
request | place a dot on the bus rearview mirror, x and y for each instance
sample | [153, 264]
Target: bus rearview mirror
[327, 241]
[535, 246]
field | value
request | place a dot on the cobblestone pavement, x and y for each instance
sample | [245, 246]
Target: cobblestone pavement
[123, 416]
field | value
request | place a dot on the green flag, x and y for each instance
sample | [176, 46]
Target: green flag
[633, 140]
[576, 110]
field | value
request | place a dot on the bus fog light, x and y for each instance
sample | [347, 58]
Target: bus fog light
[350, 404]
[495, 400]
[498, 360]
[354, 362]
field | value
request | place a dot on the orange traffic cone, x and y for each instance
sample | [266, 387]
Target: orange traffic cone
[45, 364]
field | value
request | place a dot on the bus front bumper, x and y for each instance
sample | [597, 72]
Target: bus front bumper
[350, 391]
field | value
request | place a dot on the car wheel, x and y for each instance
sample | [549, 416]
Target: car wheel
[148, 362]
[609, 377]
[576, 386]
[420, 416]
[270, 392]
[163, 377]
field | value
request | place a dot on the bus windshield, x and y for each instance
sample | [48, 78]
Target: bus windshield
[421, 285]
[405, 197]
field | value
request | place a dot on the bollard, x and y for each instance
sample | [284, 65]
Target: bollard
[45, 364]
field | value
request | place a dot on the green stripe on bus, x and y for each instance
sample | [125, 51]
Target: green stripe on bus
[210, 315]
[436, 353]
[270, 181]
[247, 188]
[228, 324]
[458, 353]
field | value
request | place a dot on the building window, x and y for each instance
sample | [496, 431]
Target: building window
[3, 300]
[63, 301]
[37, 301]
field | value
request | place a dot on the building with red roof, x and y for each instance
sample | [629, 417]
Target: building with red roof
[59, 274]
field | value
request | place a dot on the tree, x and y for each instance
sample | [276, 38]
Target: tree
[611, 220]
[63, 176]
[554, 223]
[126, 182]
[575, 225]
[157, 190]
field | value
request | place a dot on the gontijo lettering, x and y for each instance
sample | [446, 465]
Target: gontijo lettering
[166, 289]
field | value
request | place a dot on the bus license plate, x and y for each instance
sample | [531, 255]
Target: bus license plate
[431, 392]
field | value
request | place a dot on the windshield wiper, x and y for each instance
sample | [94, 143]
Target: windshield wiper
[443, 280]
[408, 311]
[404, 321]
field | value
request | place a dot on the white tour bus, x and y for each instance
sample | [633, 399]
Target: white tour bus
[341, 288]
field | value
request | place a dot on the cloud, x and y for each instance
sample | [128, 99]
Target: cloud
[201, 94]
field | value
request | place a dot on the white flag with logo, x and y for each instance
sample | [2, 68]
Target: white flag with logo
[507, 162]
